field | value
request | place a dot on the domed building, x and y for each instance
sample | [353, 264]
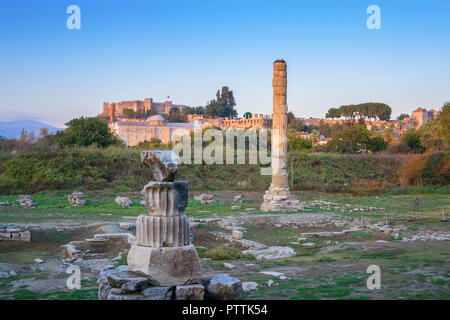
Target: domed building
[134, 131]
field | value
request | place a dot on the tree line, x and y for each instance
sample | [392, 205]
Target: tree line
[369, 110]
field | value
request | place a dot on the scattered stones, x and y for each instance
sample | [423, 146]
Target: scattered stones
[124, 202]
[329, 233]
[237, 235]
[224, 287]
[271, 253]
[77, 198]
[251, 245]
[249, 286]
[26, 202]
[205, 198]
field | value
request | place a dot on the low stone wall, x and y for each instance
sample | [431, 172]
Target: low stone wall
[122, 284]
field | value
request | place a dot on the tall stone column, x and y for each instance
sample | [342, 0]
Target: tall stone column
[163, 252]
[278, 197]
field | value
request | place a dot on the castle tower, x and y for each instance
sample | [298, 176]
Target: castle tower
[278, 197]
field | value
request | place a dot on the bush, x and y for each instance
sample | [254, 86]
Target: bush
[398, 147]
[223, 253]
[427, 169]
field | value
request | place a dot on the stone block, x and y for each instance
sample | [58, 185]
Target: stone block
[190, 292]
[224, 287]
[167, 266]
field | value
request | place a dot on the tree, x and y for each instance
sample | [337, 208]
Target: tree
[247, 115]
[315, 137]
[213, 109]
[402, 116]
[412, 139]
[43, 133]
[444, 122]
[130, 113]
[85, 132]
[349, 139]
[223, 106]
[333, 113]
[376, 144]
[296, 143]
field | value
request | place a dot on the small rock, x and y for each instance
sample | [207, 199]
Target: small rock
[308, 244]
[38, 260]
[249, 286]
[271, 283]
[4, 275]
[237, 235]
[235, 207]
[229, 265]
[250, 209]
[12, 273]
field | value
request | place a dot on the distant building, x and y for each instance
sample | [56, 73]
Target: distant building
[421, 116]
[133, 132]
[139, 106]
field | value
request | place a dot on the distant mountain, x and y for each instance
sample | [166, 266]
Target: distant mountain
[12, 129]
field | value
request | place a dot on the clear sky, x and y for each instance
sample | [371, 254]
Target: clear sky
[129, 50]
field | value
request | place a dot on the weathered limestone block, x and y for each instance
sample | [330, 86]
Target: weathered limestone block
[237, 235]
[166, 266]
[190, 292]
[224, 287]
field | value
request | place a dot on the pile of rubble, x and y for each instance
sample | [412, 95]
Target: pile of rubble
[25, 201]
[77, 198]
[329, 205]
[124, 202]
[98, 247]
[11, 233]
[205, 198]
[122, 284]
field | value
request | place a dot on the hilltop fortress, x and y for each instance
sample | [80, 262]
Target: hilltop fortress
[139, 106]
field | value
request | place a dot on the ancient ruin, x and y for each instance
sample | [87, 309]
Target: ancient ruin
[163, 235]
[278, 197]
[162, 263]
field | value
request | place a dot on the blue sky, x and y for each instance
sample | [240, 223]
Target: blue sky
[130, 50]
